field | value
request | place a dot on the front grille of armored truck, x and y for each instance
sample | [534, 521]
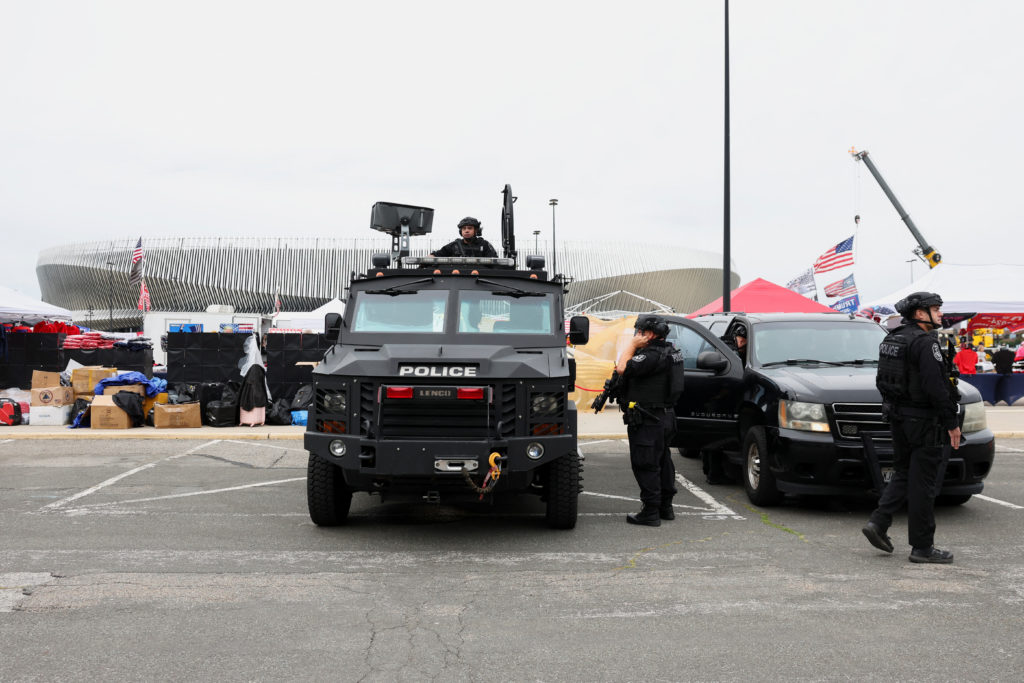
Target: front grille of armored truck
[852, 419]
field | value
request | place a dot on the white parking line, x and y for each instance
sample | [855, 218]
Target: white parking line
[998, 449]
[579, 446]
[999, 502]
[637, 500]
[264, 445]
[7, 441]
[103, 484]
[194, 493]
[717, 508]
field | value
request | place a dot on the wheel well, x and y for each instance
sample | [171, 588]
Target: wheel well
[750, 416]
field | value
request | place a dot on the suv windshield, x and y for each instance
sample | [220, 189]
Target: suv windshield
[498, 313]
[407, 311]
[831, 342]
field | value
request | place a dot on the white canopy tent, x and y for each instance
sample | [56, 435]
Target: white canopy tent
[309, 320]
[995, 288]
[15, 306]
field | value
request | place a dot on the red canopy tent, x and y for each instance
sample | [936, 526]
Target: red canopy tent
[761, 296]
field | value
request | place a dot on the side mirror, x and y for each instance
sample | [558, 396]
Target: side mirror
[712, 360]
[579, 330]
[332, 326]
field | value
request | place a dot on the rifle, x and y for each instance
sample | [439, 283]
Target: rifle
[610, 393]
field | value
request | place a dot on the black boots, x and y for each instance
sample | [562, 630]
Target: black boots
[666, 511]
[876, 537]
[648, 516]
[930, 556]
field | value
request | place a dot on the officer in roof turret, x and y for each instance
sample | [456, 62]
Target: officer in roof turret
[923, 409]
[470, 243]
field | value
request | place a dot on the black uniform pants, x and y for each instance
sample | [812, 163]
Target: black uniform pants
[918, 459]
[650, 457]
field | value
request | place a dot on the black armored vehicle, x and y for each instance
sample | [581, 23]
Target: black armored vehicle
[448, 380]
[801, 413]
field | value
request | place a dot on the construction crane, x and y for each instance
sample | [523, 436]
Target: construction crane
[924, 250]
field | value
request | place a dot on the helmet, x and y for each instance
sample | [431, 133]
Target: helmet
[740, 330]
[469, 220]
[652, 323]
[917, 301]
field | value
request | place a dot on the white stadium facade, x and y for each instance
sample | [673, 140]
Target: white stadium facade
[186, 274]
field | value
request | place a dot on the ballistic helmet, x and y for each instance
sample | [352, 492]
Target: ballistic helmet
[740, 331]
[917, 301]
[652, 323]
[469, 220]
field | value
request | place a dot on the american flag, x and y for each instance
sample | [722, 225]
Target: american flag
[844, 287]
[835, 258]
[803, 283]
[138, 265]
[145, 304]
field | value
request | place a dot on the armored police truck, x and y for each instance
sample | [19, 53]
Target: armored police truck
[448, 380]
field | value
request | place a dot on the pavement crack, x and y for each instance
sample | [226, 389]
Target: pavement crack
[229, 461]
[775, 525]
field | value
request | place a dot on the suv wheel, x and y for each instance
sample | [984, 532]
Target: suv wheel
[563, 491]
[758, 479]
[327, 495]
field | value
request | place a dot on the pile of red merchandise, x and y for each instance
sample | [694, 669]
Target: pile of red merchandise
[89, 340]
[56, 327]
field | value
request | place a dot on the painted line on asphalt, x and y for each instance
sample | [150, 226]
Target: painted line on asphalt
[637, 500]
[718, 508]
[6, 441]
[998, 449]
[264, 445]
[592, 443]
[194, 493]
[103, 484]
[999, 502]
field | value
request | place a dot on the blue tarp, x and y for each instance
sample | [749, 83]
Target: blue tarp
[153, 386]
[995, 388]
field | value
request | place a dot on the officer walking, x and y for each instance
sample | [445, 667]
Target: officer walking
[650, 370]
[923, 408]
[469, 243]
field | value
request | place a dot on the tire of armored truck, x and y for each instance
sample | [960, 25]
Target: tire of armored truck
[326, 493]
[563, 491]
[758, 479]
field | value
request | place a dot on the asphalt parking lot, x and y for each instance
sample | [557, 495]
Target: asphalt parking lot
[196, 560]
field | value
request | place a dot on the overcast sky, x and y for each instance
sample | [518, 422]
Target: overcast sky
[120, 119]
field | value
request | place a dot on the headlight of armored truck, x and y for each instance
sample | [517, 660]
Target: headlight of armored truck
[808, 417]
[974, 417]
[334, 402]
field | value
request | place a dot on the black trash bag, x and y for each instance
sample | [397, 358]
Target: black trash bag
[230, 393]
[221, 414]
[303, 398]
[131, 403]
[80, 413]
[149, 418]
[279, 412]
[207, 392]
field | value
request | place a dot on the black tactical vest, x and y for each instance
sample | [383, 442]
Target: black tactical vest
[898, 379]
[652, 390]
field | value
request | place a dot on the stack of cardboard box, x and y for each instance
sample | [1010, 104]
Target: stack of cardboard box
[51, 402]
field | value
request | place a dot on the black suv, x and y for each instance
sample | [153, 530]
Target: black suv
[794, 417]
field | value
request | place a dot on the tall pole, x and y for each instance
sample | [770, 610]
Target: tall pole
[554, 241]
[727, 218]
[110, 292]
[536, 241]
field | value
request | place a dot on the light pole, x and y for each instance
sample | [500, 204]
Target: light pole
[726, 218]
[110, 292]
[536, 241]
[554, 242]
[911, 262]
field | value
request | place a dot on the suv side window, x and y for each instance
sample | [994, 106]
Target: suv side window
[691, 343]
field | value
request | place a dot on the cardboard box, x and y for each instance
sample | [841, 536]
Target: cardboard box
[139, 389]
[42, 379]
[53, 396]
[51, 416]
[105, 414]
[84, 380]
[148, 403]
[180, 415]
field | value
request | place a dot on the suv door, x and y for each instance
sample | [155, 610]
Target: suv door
[707, 410]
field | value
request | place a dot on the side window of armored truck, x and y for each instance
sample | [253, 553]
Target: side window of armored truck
[690, 342]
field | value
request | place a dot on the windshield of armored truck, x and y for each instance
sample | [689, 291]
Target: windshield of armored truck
[505, 312]
[833, 342]
[400, 311]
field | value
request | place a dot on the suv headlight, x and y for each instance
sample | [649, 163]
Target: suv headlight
[974, 417]
[809, 417]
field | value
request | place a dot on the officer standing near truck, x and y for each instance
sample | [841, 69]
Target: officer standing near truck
[650, 369]
[470, 243]
[922, 406]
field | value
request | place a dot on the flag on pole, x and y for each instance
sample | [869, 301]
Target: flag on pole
[844, 287]
[138, 270]
[145, 303]
[835, 258]
[803, 283]
[277, 303]
[848, 305]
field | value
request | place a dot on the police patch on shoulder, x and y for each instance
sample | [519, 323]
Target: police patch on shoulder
[640, 358]
[936, 352]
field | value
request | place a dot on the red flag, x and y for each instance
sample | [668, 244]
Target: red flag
[145, 303]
